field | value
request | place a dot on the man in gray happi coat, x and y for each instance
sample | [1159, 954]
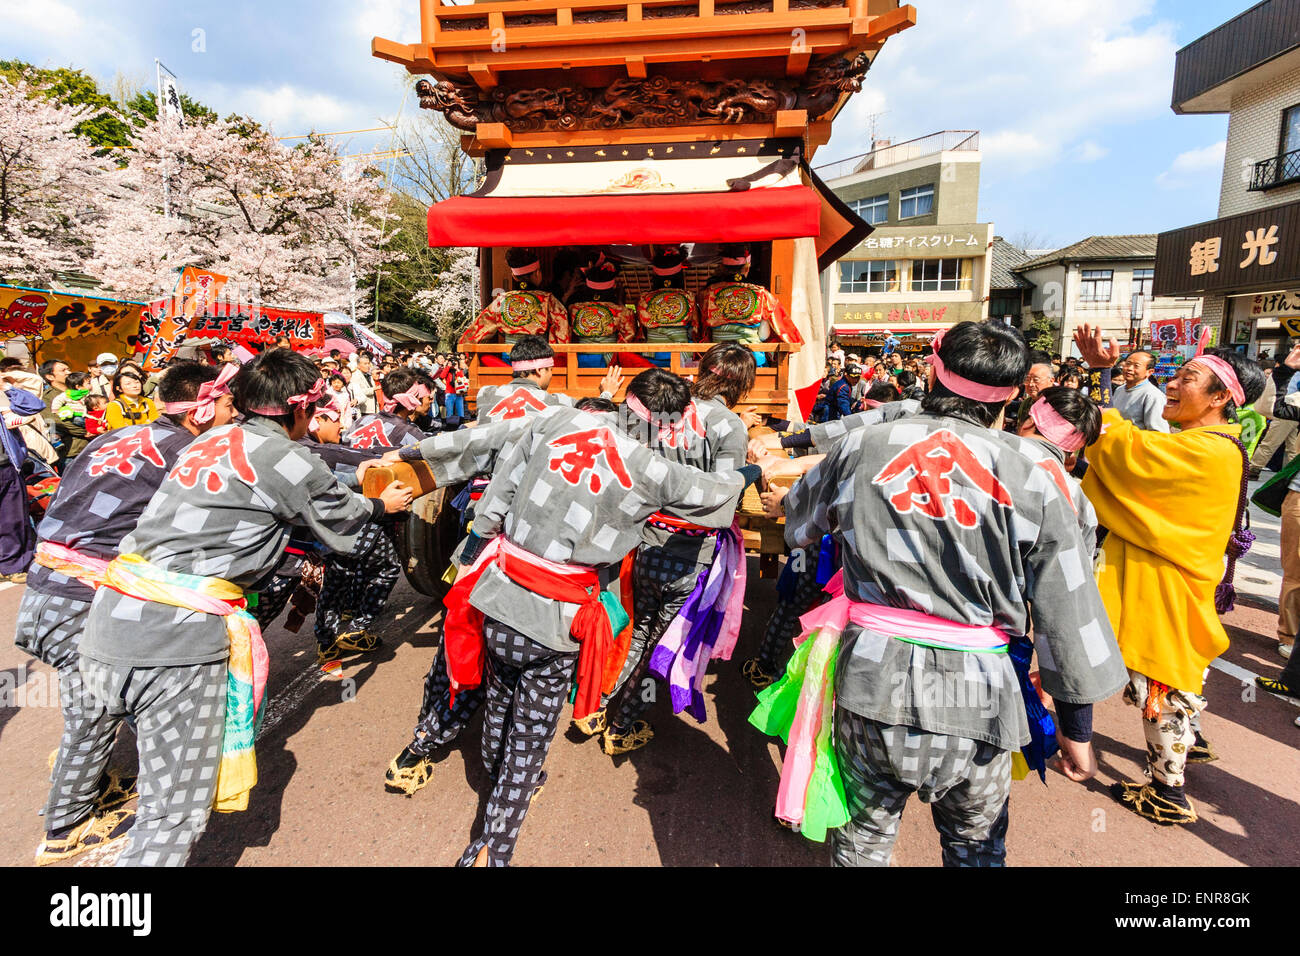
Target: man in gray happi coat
[942, 514]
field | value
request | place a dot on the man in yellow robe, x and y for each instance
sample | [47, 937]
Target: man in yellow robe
[1169, 502]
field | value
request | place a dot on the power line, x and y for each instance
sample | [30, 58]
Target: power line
[345, 132]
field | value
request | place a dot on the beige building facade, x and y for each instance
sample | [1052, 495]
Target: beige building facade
[1104, 281]
[927, 264]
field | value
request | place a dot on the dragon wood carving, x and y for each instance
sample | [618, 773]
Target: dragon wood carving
[654, 101]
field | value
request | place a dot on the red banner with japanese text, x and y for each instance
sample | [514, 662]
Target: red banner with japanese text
[198, 313]
[1168, 334]
[246, 324]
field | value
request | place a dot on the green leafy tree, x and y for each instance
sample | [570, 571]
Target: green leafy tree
[1041, 334]
[144, 106]
[105, 128]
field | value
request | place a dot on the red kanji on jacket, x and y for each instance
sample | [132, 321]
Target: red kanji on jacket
[588, 448]
[927, 464]
[120, 456]
[516, 405]
[201, 458]
[370, 435]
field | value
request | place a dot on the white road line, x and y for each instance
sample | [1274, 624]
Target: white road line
[1265, 549]
[1246, 677]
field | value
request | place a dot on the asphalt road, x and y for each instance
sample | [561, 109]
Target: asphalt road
[699, 795]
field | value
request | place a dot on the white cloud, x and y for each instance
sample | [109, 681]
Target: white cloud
[290, 110]
[1041, 81]
[1194, 167]
[1089, 152]
[67, 36]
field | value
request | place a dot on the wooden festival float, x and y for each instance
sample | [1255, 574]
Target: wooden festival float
[622, 123]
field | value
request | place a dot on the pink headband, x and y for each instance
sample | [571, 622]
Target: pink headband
[964, 386]
[871, 403]
[735, 261]
[310, 397]
[669, 270]
[600, 286]
[1225, 374]
[525, 270]
[1054, 428]
[205, 406]
[533, 364]
[670, 433]
[410, 399]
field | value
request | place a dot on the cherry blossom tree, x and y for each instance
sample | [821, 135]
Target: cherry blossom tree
[50, 181]
[453, 300]
[291, 226]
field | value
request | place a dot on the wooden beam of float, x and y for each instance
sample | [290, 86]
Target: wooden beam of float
[577, 34]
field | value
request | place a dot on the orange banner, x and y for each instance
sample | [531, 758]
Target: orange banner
[165, 322]
[74, 328]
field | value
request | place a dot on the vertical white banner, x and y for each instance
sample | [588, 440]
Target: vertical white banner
[169, 96]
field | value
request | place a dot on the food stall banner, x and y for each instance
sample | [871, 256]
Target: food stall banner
[67, 326]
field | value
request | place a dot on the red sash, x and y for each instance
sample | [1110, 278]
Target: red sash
[463, 628]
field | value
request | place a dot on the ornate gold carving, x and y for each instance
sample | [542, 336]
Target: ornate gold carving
[654, 101]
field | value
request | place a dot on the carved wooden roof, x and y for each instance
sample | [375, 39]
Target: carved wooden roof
[594, 42]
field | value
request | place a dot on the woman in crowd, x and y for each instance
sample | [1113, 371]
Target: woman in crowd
[129, 406]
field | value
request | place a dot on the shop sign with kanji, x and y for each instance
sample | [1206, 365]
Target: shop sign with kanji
[1257, 249]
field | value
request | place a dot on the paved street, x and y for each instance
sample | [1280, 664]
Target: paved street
[699, 795]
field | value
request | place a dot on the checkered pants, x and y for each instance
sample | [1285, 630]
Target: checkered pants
[49, 628]
[783, 626]
[440, 720]
[661, 583]
[965, 781]
[180, 715]
[528, 685]
[271, 600]
[359, 581]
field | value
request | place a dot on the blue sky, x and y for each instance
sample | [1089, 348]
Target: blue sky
[1072, 98]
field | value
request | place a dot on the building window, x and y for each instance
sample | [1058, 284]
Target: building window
[1290, 130]
[941, 275]
[1143, 281]
[918, 201]
[874, 210]
[866, 276]
[1096, 285]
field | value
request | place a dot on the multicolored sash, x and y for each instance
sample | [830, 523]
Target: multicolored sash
[132, 575]
[63, 560]
[800, 707]
[705, 628]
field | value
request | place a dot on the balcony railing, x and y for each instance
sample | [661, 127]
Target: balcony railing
[1276, 171]
[949, 140]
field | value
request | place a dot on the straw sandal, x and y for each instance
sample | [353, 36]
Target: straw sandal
[593, 723]
[1201, 751]
[407, 777]
[117, 790]
[636, 737]
[359, 641]
[1143, 800]
[753, 671]
[94, 831]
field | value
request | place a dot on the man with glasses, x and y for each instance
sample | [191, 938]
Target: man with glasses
[1138, 399]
